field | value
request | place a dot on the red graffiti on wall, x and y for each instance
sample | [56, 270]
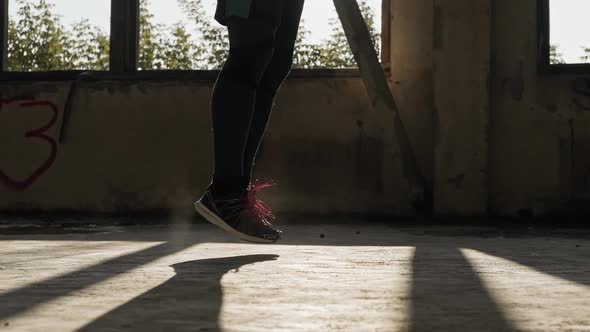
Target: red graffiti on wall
[39, 133]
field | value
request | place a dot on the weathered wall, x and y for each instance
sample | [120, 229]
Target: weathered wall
[490, 133]
[539, 133]
[506, 139]
[461, 98]
[143, 145]
[440, 67]
[412, 75]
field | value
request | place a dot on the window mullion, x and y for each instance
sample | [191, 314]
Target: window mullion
[124, 35]
[3, 35]
[543, 35]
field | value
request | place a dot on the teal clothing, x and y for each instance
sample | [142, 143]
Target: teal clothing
[264, 11]
[239, 8]
[228, 8]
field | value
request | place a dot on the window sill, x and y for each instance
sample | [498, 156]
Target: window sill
[165, 75]
[565, 69]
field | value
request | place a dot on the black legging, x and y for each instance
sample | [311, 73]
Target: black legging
[259, 60]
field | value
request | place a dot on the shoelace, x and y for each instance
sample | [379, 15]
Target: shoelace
[253, 204]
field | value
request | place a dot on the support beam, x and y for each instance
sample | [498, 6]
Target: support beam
[124, 35]
[380, 94]
[462, 58]
[412, 75]
[3, 35]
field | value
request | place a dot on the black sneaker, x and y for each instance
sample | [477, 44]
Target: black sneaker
[234, 214]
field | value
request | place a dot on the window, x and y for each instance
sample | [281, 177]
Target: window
[322, 43]
[564, 36]
[154, 35]
[570, 31]
[182, 34]
[55, 35]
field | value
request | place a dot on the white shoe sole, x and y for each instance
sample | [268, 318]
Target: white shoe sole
[215, 220]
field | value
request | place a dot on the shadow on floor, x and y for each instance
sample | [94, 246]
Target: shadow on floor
[21, 299]
[447, 295]
[189, 301]
[192, 298]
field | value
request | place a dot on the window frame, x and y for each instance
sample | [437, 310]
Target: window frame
[3, 35]
[124, 53]
[544, 45]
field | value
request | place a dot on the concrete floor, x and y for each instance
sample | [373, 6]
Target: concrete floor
[356, 277]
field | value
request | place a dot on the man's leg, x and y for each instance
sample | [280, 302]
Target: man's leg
[276, 72]
[233, 99]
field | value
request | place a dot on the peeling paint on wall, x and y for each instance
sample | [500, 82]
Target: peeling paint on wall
[514, 85]
[581, 100]
[369, 161]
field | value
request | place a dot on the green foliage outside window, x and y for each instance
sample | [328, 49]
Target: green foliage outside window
[39, 41]
[556, 57]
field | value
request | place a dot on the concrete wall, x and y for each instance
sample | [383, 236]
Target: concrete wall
[506, 140]
[489, 132]
[412, 75]
[540, 137]
[440, 60]
[144, 145]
